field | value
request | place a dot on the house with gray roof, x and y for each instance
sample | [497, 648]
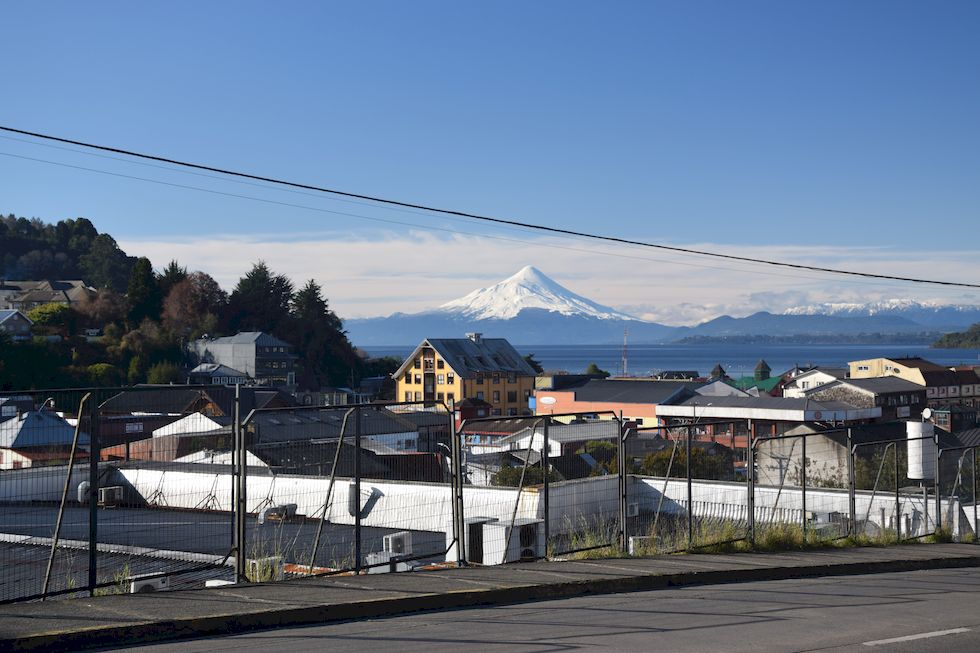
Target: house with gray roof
[15, 324]
[37, 437]
[449, 370]
[898, 398]
[265, 359]
[25, 295]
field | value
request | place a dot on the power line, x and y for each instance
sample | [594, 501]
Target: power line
[475, 216]
[550, 245]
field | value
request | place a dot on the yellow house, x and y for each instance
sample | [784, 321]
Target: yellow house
[454, 369]
[943, 385]
[910, 369]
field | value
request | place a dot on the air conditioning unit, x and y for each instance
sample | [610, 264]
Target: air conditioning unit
[633, 509]
[474, 537]
[147, 582]
[109, 497]
[501, 543]
[264, 570]
[399, 543]
[383, 562]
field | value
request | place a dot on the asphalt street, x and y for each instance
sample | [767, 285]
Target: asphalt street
[899, 612]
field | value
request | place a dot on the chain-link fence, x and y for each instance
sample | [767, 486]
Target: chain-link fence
[82, 478]
[150, 488]
[687, 487]
[541, 486]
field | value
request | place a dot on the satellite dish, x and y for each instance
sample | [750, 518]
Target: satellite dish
[926, 413]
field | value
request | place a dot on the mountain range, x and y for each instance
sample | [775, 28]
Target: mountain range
[529, 308]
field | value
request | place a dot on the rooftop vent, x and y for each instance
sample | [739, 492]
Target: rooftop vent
[475, 337]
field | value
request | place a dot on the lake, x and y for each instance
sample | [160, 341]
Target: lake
[737, 359]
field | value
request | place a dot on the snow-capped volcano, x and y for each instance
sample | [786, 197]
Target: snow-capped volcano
[529, 288]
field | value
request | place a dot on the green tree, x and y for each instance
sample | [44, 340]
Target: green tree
[143, 293]
[260, 301]
[163, 372]
[535, 365]
[105, 265]
[326, 355]
[593, 370]
[170, 277]
[717, 466]
[103, 374]
[510, 476]
[53, 319]
[136, 370]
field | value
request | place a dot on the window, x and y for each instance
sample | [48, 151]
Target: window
[418, 379]
[418, 396]
[418, 363]
[440, 396]
[440, 364]
[450, 398]
[408, 378]
[496, 396]
[511, 396]
[512, 412]
[527, 395]
[495, 411]
[512, 377]
[479, 378]
[441, 379]
[496, 378]
[450, 378]
[479, 395]
[863, 368]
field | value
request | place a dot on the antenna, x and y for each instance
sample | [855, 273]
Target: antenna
[626, 333]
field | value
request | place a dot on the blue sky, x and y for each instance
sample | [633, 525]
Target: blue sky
[833, 132]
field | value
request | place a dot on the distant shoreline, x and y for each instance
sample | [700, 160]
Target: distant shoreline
[815, 339]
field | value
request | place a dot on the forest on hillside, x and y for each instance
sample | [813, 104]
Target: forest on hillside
[969, 339]
[71, 249]
[146, 316]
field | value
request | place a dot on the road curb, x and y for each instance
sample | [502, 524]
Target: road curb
[237, 623]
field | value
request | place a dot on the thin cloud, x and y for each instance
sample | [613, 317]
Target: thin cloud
[372, 276]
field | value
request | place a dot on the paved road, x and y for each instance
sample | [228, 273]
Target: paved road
[855, 613]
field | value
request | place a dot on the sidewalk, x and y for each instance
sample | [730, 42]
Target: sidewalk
[71, 625]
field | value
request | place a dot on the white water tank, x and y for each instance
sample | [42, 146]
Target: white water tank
[922, 450]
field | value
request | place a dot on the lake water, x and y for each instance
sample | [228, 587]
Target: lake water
[738, 360]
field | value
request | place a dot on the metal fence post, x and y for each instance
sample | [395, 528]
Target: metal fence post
[939, 505]
[623, 488]
[690, 494]
[357, 490]
[459, 519]
[94, 453]
[241, 497]
[803, 490]
[898, 501]
[974, 452]
[851, 486]
[546, 464]
[750, 478]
